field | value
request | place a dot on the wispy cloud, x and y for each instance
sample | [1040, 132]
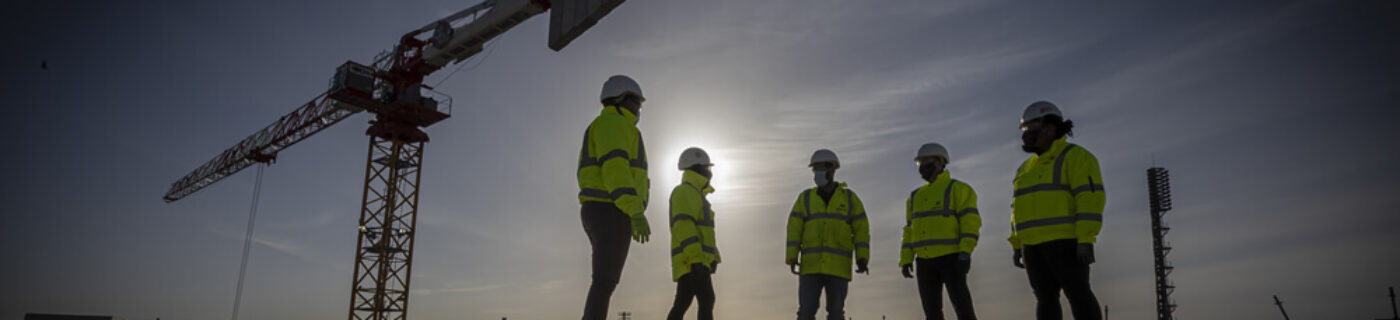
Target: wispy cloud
[296, 249]
[480, 288]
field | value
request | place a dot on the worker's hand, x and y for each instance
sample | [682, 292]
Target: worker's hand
[641, 230]
[1086, 253]
[964, 263]
[714, 267]
[1016, 259]
[863, 266]
[792, 265]
[907, 270]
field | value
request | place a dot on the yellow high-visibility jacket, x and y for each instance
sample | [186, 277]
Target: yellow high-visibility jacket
[940, 218]
[692, 225]
[612, 164]
[1059, 195]
[826, 234]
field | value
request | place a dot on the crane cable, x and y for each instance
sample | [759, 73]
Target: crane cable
[490, 47]
[248, 240]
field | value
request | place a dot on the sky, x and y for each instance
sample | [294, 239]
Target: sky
[1276, 119]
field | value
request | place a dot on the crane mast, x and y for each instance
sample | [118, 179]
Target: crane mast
[392, 89]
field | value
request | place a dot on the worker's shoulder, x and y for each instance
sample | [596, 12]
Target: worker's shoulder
[684, 191]
[1029, 159]
[803, 193]
[611, 126]
[959, 185]
[1079, 152]
[915, 192]
[611, 119]
[855, 197]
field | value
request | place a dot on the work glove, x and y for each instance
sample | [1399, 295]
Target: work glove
[964, 263]
[907, 270]
[641, 230]
[1086, 253]
[792, 265]
[1016, 259]
[714, 267]
[862, 266]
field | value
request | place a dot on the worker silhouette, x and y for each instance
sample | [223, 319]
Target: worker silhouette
[694, 254]
[613, 188]
[826, 230]
[1057, 211]
[941, 227]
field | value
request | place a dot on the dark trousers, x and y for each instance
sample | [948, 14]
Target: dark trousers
[610, 232]
[1054, 266]
[937, 272]
[809, 290]
[696, 285]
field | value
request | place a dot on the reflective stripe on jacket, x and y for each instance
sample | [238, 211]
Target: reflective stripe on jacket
[825, 234]
[1059, 195]
[692, 225]
[940, 218]
[612, 163]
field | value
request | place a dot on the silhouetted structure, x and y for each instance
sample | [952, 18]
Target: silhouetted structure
[1280, 307]
[1393, 314]
[1159, 193]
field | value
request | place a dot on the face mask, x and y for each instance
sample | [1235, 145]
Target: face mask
[928, 170]
[819, 176]
[1028, 140]
[704, 172]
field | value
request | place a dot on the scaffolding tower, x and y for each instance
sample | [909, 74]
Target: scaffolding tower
[1159, 195]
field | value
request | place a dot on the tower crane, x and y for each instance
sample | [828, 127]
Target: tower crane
[392, 89]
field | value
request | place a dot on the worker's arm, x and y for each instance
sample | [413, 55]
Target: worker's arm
[1086, 185]
[1014, 238]
[906, 254]
[706, 228]
[685, 235]
[796, 220]
[969, 220]
[861, 225]
[615, 141]
[707, 233]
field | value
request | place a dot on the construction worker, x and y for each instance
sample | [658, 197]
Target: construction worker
[694, 255]
[941, 226]
[613, 188]
[826, 230]
[1057, 211]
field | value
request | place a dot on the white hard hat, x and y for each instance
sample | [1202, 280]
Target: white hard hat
[1040, 109]
[620, 85]
[932, 150]
[693, 156]
[824, 155]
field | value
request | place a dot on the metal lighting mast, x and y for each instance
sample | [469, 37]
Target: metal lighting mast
[1393, 314]
[392, 89]
[1159, 195]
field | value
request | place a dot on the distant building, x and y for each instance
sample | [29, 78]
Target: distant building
[39, 316]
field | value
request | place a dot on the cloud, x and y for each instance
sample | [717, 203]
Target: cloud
[468, 289]
[295, 249]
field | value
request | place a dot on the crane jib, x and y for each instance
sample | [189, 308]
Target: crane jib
[314, 116]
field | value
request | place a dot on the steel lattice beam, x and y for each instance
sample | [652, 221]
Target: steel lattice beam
[1159, 195]
[384, 252]
[310, 118]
